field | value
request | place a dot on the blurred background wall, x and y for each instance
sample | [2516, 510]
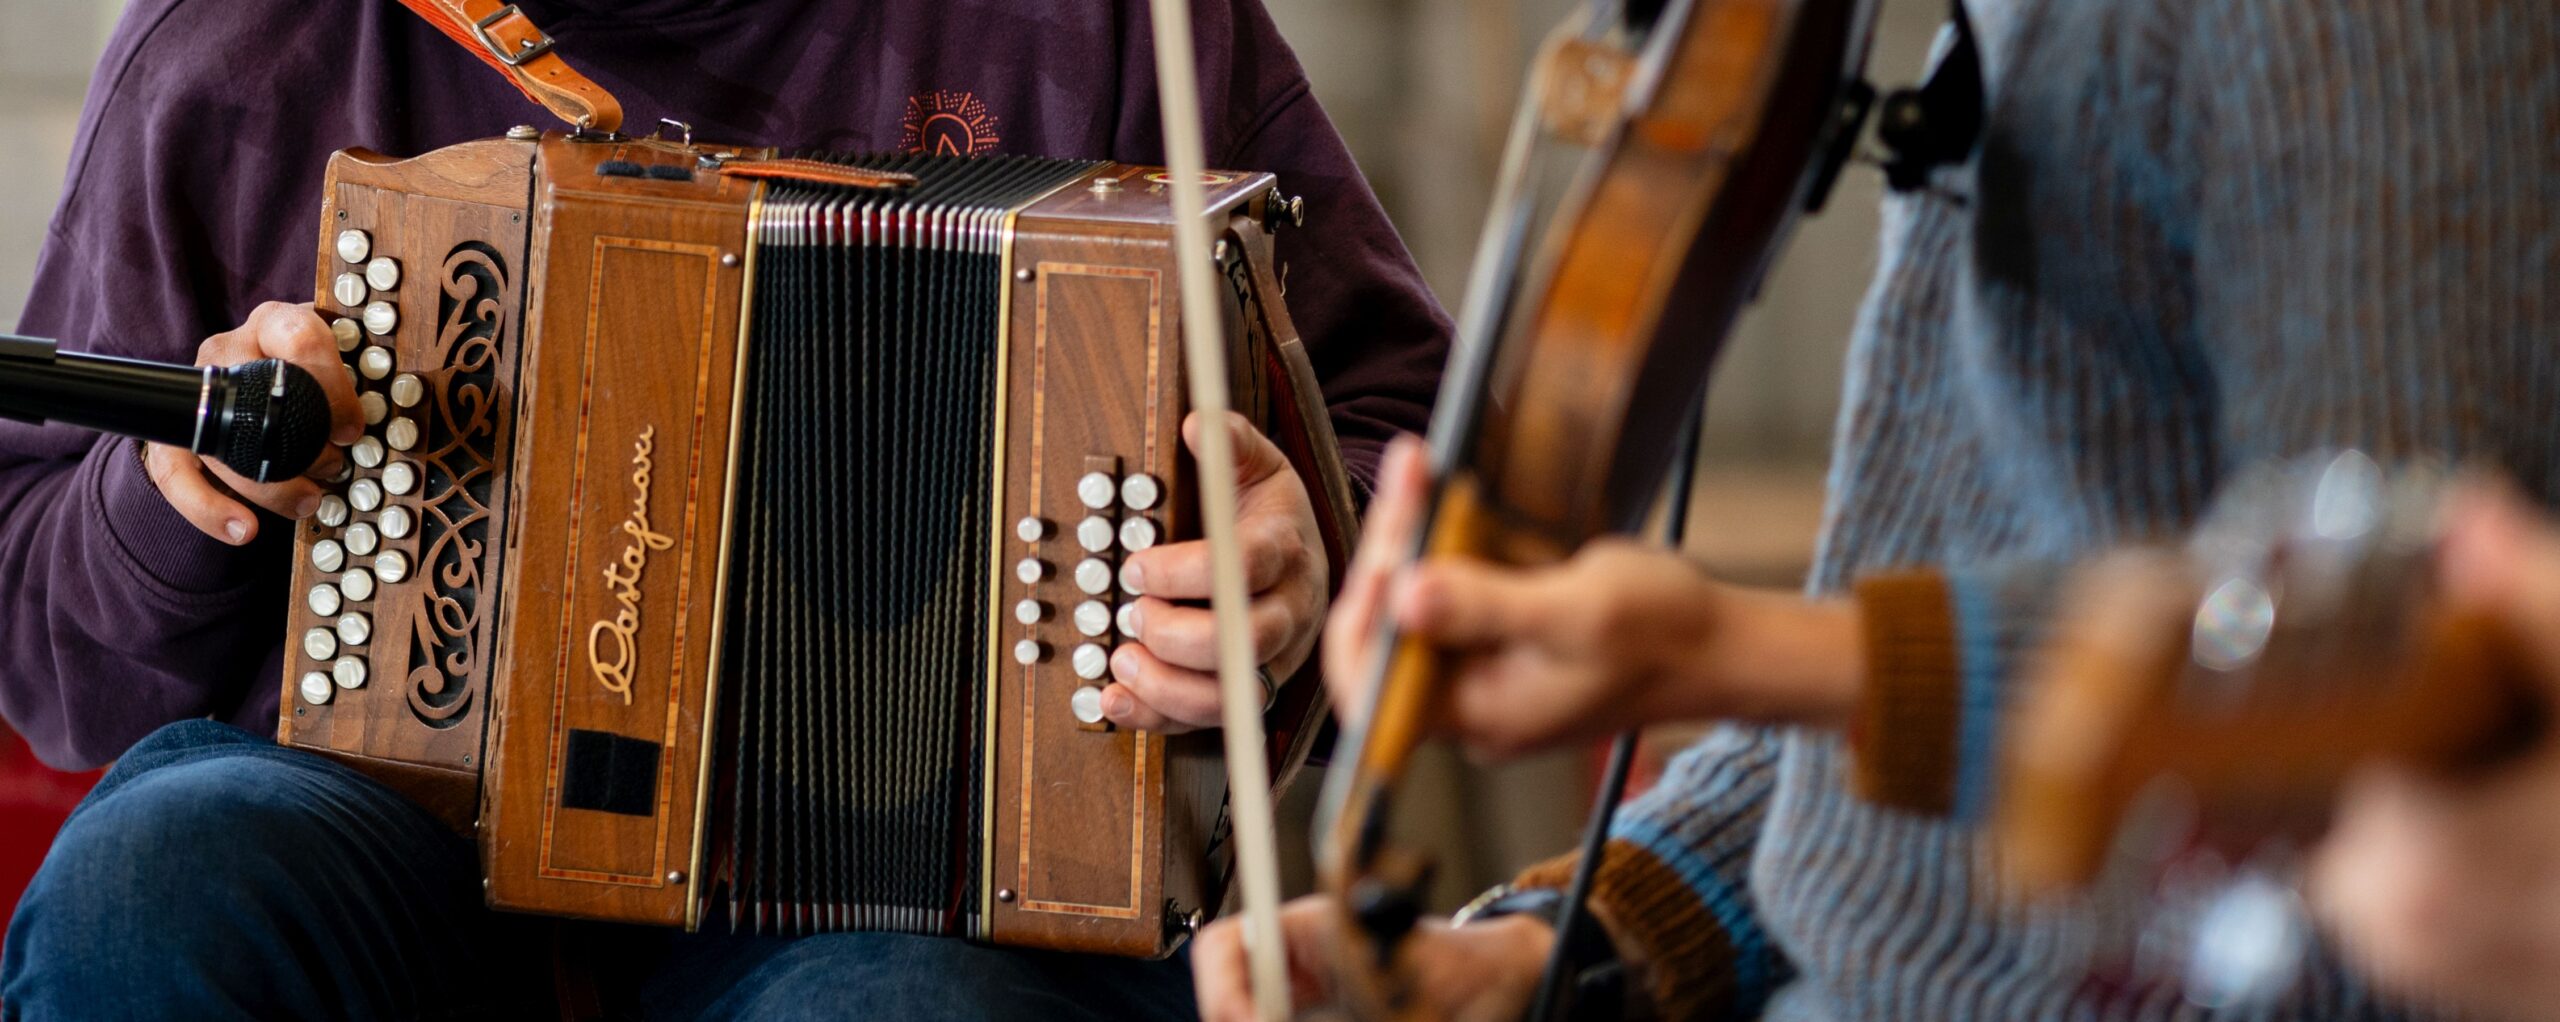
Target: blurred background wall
[1423, 90]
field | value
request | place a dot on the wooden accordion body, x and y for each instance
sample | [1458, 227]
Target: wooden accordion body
[723, 545]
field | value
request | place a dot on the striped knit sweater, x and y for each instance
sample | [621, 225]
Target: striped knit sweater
[2198, 234]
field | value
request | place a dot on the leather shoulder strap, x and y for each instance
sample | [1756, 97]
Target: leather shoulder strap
[502, 37]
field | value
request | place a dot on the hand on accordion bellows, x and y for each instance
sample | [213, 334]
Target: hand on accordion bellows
[1165, 681]
[215, 503]
[1620, 634]
[2449, 888]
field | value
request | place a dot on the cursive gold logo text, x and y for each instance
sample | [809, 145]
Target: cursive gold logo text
[623, 574]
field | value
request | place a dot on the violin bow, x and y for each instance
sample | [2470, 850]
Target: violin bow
[1204, 359]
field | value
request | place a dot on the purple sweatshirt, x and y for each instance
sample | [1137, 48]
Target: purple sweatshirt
[194, 190]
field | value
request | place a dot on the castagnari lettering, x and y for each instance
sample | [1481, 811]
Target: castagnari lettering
[617, 634]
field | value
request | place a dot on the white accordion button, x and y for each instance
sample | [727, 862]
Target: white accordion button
[358, 585]
[333, 511]
[407, 390]
[402, 433]
[375, 408]
[316, 689]
[1086, 704]
[1127, 619]
[362, 541]
[1031, 529]
[348, 332]
[396, 522]
[383, 273]
[1029, 651]
[349, 290]
[1137, 534]
[367, 452]
[1140, 491]
[1092, 618]
[1127, 586]
[380, 318]
[391, 567]
[1094, 534]
[1092, 661]
[1030, 612]
[1031, 570]
[354, 246]
[399, 478]
[375, 363]
[1095, 490]
[325, 600]
[1093, 576]
[328, 556]
[349, 671]
[354, 628]
[365, 494]
[320, 644]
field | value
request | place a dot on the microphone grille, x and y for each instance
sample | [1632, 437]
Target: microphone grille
[275, 437]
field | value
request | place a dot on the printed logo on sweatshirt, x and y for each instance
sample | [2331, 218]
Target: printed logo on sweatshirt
[947, 122]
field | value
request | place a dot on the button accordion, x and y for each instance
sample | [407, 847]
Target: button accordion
[738, 536]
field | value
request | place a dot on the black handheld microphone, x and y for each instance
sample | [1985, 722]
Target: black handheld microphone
[268, 420]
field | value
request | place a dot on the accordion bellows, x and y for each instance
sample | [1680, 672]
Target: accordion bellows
[745, 549]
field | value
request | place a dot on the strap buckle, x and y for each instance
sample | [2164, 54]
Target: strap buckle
[532, 48]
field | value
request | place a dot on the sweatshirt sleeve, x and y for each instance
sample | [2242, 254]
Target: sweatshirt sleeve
[2376, 276]
[116, 615]
[1674, 890]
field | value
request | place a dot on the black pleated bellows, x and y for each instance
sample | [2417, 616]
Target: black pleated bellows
[855, 667]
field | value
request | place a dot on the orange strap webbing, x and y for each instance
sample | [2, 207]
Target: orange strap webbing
[502, 37]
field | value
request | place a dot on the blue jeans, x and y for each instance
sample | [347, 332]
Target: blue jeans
[216, 875]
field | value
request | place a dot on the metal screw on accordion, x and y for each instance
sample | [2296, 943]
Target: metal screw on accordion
[1093, 577]
[365, 495]
[325, 600]
[333, 511]
[407, 390]
[316, 689]
[402, 433]
[327, 555]
[1092, 618]
[396, 522]
[1094, 534]
[1086, 703]
[1030, 612]
[1031, 570]
[1005, 895]
[362, 540]
[728, 259]
[523, 133]
[375, 363]
[1137, 534]
[353, 245]
[349, 289]
[1030, 651]
[1095, 490]
[1141, 491]
[357, 584]
[354, 628]
[349, 333]
[1105, 185]
[675, 876]
[320, 644]
[391, 567]
[349, 672]
[375, 408]
[383, 272]
[1218, 253]
[366, 452]
[1031, 529]
[399, 477]
[1024, 275]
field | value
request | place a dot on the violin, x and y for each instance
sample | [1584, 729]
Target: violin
[1662, 154]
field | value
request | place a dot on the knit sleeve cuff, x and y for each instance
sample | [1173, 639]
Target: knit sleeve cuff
[1694, 950]
[1907, 731]
[158, 542]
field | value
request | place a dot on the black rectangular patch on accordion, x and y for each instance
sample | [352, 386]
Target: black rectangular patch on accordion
[609, 773]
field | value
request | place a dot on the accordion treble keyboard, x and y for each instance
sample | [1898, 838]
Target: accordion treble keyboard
[743, 551]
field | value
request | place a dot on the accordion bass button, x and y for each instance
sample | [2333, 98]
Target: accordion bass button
[328, 556]
[1126, 585]
[1087, 704]
[1137, 534]
[1093, 576]
[383, 273]
[401, 434]
[375, 363]
[354, 628]
[1091, 661]
[320, 644]
[375, 408]
[1095, 490]
[333, 511]
[365, 494]
[349, 290]
[391, 567]
[407, 390]
[1030, 651]
[367, 453]
[1030, 612]
[396, 522]
[357, 585]
[349, 671]
[1031, 529]
[1092, 618]
[1127, 620]
[1031, 570]
[399, 478]
[325, 600]
[348, 332]
[1141, 491]
[354, 246]
[362, 540]
[1094, 534]
[380, 318]
[316, 689]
